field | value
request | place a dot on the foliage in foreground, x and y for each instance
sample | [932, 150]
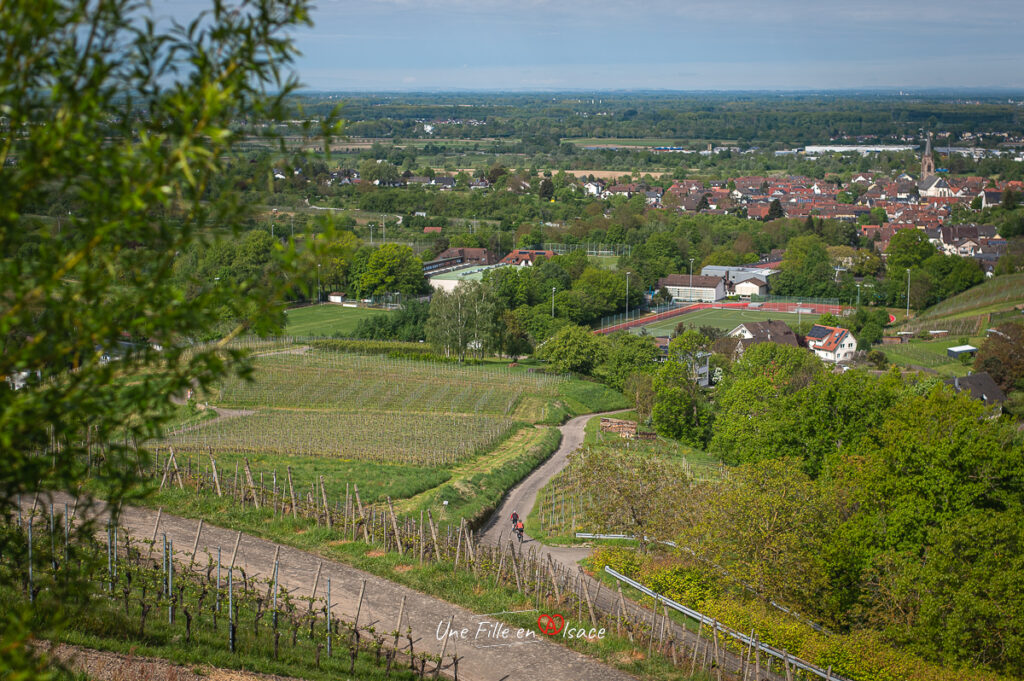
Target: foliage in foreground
[124, 123]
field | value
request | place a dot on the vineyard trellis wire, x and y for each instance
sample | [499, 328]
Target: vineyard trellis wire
[325, 379]
[385, 437]
[137, 580]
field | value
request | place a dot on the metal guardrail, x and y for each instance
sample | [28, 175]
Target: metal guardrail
[782, 655]
[778, 606]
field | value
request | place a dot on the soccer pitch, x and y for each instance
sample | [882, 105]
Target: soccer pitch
[724, 319]
[327, 320]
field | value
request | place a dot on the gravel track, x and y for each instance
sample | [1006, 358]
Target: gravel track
[483, 659]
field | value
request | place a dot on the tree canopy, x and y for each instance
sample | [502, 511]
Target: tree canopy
[126, 123]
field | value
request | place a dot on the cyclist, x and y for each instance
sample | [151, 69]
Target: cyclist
[519, 530]
[515, 518]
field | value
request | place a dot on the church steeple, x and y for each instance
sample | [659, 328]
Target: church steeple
[927, 162]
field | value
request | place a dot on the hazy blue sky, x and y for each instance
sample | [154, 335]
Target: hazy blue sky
[667, 44]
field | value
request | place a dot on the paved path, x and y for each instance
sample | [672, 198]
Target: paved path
[522, 498]
[484, 658]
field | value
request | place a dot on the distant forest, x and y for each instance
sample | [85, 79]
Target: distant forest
[763, 119]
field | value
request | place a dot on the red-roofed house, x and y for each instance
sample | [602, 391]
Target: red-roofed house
[831, 343]
[524, 257]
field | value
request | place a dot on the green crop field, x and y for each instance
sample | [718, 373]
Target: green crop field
[327, 320]
[384, 437]
[725, 319]
[696, 145]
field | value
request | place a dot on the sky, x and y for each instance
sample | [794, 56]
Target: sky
[523, 45]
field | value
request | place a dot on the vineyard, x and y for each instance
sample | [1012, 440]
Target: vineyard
[147, 593]
[176, 602]
[307, 401]
[383, 437]
[330, 380]
[995, 294]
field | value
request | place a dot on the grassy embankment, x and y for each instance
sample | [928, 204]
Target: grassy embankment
[965, 316]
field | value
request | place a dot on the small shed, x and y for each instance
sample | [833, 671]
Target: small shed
[336, 297]
[958, 350]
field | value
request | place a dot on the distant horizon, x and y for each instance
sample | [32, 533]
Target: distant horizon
[895, 91]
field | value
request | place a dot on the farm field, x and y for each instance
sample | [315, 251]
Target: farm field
[329, 319]
[722, 319]
[383, 437]
[625, 141]
[607, 175]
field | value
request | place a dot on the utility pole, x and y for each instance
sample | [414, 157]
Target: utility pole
[627, 295]
[908, 293]
[318, 283]
[691, 280]
[552, 302]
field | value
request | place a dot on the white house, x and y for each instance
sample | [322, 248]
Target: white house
[831, 343]
[693, 288]
[751, 287]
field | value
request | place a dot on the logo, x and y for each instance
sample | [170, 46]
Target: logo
[550, 624]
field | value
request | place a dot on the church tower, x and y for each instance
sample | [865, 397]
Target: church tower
[927, 162]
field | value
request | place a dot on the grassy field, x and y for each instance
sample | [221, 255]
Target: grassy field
[726, 320]
[608, 262]
[327, 320]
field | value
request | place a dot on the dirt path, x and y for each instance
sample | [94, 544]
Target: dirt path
[103, 665]
[484, 658]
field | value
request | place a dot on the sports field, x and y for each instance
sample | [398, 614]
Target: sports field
[722, 319]
[326, 320]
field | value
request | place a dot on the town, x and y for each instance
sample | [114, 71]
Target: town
[489, 354]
